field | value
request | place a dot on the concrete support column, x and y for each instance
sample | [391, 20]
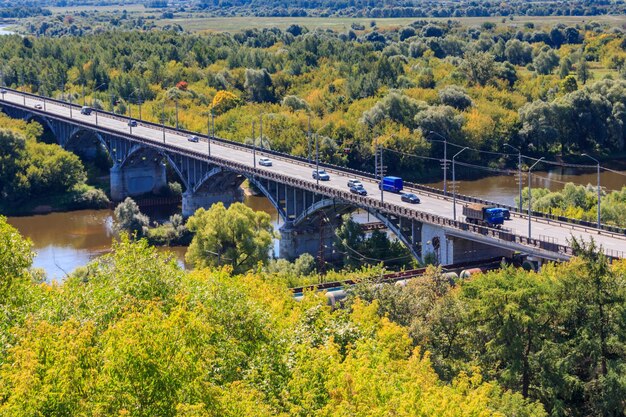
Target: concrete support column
[136, 180]
[205, 199]
[118, 191]
[297, 240]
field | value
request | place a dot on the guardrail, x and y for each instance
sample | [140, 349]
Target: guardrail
[362, 201]
[364, 174]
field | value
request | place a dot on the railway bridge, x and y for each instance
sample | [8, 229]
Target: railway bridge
[213, 169]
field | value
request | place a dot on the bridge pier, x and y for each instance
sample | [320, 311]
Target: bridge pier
[192, 201]
[297, 240]
[130, 181]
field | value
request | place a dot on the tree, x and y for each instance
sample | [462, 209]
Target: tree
[295, 103]
[546, 61]
[128, 218]
[224, 101]
[512, 311]
[236, 236]
[455, 96]
[394, 106]
[259, 85]
[582, 71]
[479, 67]
[15, 257]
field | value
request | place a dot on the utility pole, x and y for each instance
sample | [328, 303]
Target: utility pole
[309, 138]
[519, 174]
[599, 188]
[382, 174]
[163, 120]
[454, 184]
[208, 133]
[445, 161]
[261, 128]
[253, 145]
[176, 101]
[317, 158]
[84, 103]
[530, 195]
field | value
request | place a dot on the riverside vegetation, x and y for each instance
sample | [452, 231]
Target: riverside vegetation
[34, 173]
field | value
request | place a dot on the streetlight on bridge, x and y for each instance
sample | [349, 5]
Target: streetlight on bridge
[454, 183]
[599, 189]
[519, 173]
[530, 195]
[445, 160]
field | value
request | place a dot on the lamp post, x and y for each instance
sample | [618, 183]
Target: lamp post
[519, 173]
[209, 130]
[530, 195]
[382, 171]
[445, 161]
[317, 158]
[599, 189]
[454, 183]
[163, 120]
[253, 145]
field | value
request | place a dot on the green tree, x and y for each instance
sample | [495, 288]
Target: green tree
[15, 257]
[236, 236]
[129, 218]
[511, 311]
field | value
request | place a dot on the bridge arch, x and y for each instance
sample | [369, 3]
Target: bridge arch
[45, 122]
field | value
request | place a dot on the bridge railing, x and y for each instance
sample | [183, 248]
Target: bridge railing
[360, 201]
[338, 168]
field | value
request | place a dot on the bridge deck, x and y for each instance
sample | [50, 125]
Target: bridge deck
[553, 231]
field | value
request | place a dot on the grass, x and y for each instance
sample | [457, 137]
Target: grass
[235, 24]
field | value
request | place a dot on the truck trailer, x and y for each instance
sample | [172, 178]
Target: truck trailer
[483, 215]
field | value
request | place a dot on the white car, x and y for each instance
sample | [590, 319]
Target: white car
[354, 183]
[38, 106]
[266, 162]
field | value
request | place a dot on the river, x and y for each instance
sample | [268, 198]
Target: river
[65, 241]
[4, 31]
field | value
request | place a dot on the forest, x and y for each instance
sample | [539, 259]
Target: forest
[132, 334]
[557, 91]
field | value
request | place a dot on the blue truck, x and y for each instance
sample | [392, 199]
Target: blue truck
[393, 184]
[483, 215]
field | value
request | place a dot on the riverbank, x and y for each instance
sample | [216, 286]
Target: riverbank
[84, 197]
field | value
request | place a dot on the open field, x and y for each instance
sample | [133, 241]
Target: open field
[130, 8]
[234, 24]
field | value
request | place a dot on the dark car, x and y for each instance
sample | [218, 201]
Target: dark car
[3, 91]
[132, 123]
[410, 198]
[358, 189]
[321, 175]
[193, 138]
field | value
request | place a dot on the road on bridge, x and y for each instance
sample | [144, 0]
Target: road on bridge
[556, 232]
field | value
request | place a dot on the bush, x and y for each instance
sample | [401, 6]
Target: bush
[90, 198]
[455, 96]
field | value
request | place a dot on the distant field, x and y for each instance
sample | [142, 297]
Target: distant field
[234, 24]
[75, 9]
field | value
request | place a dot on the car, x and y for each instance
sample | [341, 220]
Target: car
[321, 175]
[86, 110]
[410, 198]
[355, 183]
[358, 189]
[38, 106]
[266, 162]
[193, 138]
[132, 123]
[3, 91]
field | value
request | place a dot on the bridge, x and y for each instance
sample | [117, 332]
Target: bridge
[213, 170]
